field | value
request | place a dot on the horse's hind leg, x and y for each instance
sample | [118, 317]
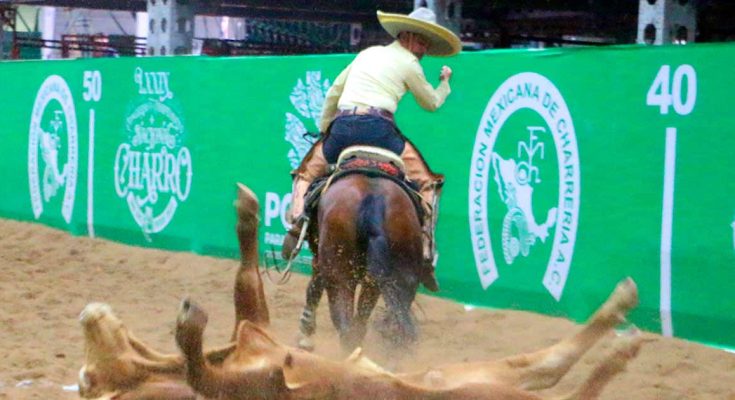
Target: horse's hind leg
[391, 259]
[369, 295]
[342, 308]
[399, 325]
[545, 368]
[307, 322]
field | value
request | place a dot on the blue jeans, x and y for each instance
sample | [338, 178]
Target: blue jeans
[369, 130]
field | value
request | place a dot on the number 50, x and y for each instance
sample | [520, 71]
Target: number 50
[662, 95]
[92, 83]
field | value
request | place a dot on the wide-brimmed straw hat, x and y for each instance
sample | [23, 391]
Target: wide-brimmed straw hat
[442, 41]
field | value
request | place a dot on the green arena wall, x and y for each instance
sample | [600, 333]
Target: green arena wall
[566, 169]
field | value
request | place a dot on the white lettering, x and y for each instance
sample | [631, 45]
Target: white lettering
[155, 172]
[154, 136]
[272, 207]
[274, 238]
[153, 83]
[666, 91]
[275, 208]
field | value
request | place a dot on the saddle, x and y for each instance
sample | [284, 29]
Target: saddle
[366, 160]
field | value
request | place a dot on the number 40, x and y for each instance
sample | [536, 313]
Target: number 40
[664, 95]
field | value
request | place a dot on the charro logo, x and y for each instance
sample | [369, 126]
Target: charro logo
[528, 211]
[153, 168]
[308, 99]
[53, 132]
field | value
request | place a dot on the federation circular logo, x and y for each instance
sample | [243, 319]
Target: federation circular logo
[524, 187]
[53, 135]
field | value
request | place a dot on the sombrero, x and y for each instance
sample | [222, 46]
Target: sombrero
[422, 20]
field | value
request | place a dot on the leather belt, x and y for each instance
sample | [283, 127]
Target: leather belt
[378, 112]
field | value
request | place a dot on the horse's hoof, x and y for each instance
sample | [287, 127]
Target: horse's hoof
[627, 294]
[305, 343]
[622, 300]
[191, 314]
[628, 342]
[430, 283]
[428, 279]
[247, 201]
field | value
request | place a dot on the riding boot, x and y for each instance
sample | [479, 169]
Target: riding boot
[428, 276]
[430, 187]
[430, 256]
[295, 216]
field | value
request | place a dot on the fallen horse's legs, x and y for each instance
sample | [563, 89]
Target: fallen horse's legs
[544, 368]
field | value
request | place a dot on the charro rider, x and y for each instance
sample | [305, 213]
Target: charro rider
[359, 107]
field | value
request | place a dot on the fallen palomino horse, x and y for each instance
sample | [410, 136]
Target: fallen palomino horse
[255, 366]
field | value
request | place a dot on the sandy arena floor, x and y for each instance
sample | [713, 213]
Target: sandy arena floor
[48, 276]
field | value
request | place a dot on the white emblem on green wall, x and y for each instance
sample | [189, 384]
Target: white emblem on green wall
[53, 135]
[516, 179]
[524, 187]
[307, 98]
[153, 167]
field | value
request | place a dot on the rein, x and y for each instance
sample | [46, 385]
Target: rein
[285, 276]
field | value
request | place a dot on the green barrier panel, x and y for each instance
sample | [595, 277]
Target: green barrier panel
[567, 170]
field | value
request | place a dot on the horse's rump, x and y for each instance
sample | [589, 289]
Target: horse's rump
[369, 234]
[361, 161]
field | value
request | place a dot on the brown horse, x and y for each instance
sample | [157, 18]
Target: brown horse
[368, 234]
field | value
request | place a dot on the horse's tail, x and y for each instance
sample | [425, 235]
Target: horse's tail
[371, 233]
[397, 292]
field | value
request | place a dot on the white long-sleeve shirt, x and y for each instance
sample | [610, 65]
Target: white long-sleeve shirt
[378, 77]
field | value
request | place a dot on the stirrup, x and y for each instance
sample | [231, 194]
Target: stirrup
[289, 257]
[303, 222]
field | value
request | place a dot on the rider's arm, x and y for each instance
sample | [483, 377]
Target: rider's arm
[428, 98]
[329, 109]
